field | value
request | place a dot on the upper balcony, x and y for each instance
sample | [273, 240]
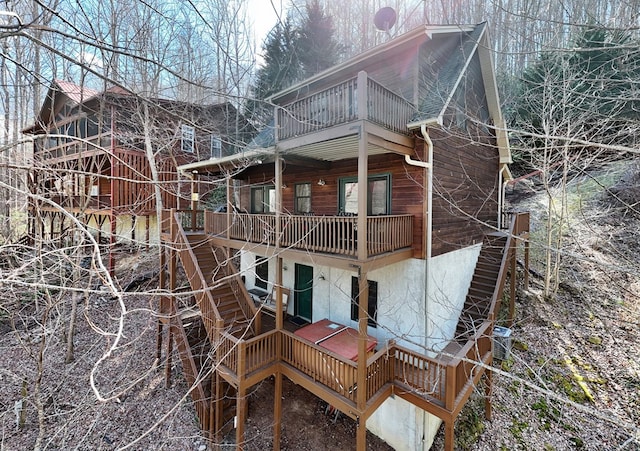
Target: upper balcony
[54, 148]
[356, 99]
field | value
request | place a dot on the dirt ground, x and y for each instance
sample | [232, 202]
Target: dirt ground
[572, 381]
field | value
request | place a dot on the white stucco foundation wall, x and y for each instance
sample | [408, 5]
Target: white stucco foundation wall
[425, 325]
[449, 281]
[398, 422]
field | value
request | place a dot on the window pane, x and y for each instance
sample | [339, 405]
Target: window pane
[303, 205]
[270, 201]
[303, 190]
[372, 304]
[262, 272]
[257, 200]
[350, 197]
[216, 146]
[302, 198]
[378, 197]
[188, 138]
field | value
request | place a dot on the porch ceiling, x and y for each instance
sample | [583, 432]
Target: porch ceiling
[333, 150]
[339, 143]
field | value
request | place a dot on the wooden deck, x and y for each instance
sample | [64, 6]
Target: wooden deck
[438, 384]
[324, 234]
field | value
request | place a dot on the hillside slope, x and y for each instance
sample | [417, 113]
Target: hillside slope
[573, 379]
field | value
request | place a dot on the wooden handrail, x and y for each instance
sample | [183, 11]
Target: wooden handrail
[203, 296]
[502, 273]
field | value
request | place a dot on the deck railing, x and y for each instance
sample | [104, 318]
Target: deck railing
[327, 234]
[340, 104]
[425, 375]
[72, 146]
[323, 366]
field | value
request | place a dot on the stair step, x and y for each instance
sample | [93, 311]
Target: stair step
[480, 292]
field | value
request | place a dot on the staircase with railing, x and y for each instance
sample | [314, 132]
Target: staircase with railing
[218, 309]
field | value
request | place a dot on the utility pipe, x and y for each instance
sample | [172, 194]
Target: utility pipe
[501, 194]
[428, 165]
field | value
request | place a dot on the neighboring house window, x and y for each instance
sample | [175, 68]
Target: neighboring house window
[302, 200]
[216, 146]
[92, 127]
[262, 272]
[372, 307]
[263, 199]
[378, 197]
[188, 138]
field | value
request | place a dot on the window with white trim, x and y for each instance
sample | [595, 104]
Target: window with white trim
[188, 138]
[216, 146]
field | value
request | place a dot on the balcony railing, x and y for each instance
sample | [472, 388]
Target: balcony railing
[74, 146]
[326, 234]
[357, 98]
[82, 202]
[443, 380]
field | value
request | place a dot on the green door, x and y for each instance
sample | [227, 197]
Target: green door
[304, 291]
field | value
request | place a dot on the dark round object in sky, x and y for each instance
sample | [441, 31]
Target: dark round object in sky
[385, 18]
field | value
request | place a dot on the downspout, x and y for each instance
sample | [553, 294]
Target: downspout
[428, 220]
[501, 194]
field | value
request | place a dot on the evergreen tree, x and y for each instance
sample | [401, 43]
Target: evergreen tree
[317, 46]
[281, 68]
[587, 93]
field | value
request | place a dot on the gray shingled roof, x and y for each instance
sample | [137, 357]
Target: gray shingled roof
[443, 63]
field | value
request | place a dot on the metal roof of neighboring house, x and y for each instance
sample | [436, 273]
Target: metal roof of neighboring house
[78, 94]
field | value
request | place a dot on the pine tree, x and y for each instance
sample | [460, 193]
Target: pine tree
[281, 68]
[317, 46]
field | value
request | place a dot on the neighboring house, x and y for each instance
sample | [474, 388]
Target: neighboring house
[90, 157]
[374, 200]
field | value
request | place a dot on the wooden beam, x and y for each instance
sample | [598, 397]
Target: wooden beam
[390, 141]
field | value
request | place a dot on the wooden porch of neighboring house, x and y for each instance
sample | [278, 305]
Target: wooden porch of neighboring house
[225, 349]
[94, 181]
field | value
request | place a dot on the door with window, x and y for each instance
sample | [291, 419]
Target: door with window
[303, 293]
[263, 199]
[378, 195]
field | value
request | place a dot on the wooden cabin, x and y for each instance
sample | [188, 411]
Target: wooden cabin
[370, 214]
[90, 158]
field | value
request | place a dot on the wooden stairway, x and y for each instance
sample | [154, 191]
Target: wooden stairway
[484, 284]
[221, 279]
[219, 304]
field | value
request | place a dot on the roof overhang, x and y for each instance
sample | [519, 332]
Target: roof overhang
[236, 162]
[352, 64]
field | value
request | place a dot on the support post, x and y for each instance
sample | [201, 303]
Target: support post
[277, 411]
[526, 263]
[361, 434]
[487, 394]
[449, 434]
[513, 282]
[241, 413]
[363, 316]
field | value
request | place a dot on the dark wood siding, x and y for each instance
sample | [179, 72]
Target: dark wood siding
[465, 190]
[407, 187]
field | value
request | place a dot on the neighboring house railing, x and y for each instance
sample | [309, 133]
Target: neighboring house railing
[357, 98]
[82, 202]
[328, 234]
[74, 146]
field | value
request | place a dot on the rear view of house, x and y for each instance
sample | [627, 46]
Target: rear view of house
[370, 209]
